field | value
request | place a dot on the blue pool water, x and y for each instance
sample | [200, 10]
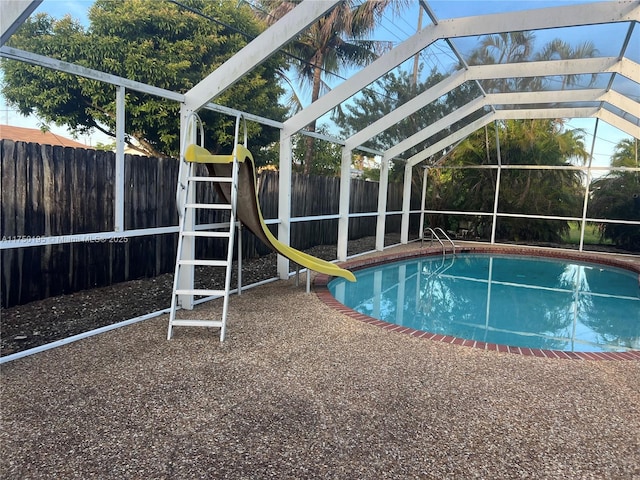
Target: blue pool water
[512, 300]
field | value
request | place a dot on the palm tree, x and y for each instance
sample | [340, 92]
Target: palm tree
[617, 196]
[338, 40]
[511, 47]
[560, 50]
[526, 191]
[626, 154]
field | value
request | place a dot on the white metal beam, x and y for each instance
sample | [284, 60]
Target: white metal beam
[545, 97]
[62, 66]
[464, 132]
[284, 201]
[622, 102]
[496, 198]
[383, 188]
[564, 16]
[451, 139]
[343, 205]
[481, 72]
[435, 127]
[576, 66]
[256, 52]
[13, 13]
[118, 182]
[495, 99]
[423, 201]
[618, 122]
[542, 113]
[406, 203]
[403, 111]
[628, 68]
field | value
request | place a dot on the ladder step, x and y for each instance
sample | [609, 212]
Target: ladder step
[200, 233]
[204, 263]
[196, 323]
[210, 206]
[200, 291]
[210, 179]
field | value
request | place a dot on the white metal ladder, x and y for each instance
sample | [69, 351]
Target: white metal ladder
[184, 261]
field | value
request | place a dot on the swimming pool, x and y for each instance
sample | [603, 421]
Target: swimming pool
[530, 302]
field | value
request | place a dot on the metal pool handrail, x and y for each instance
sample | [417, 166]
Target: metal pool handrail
[447, 237]
[435, 235]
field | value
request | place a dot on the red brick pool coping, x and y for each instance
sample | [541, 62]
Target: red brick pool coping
[321, 281]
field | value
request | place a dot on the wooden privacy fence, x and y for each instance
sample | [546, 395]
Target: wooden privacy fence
[54, 191]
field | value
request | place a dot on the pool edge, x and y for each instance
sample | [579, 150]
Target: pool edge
[321, 281]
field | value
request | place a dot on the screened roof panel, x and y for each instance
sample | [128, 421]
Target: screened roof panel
[626, 115]
[553, 44]
[437, 54]
[546, 106]
[627, 87]
[466, 8]
[633, 49]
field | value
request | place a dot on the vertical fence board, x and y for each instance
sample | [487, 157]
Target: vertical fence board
[9, 259]
[23, 159]
[60, 191]
[48, 202]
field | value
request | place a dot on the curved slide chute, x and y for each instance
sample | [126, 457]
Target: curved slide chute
[248, 207]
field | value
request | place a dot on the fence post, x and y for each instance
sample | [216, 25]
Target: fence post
[381, 222]
[188, 134]
[284, 201]
[343, 209]
[118, 199]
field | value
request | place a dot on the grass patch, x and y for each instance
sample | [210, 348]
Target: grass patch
[591, 235]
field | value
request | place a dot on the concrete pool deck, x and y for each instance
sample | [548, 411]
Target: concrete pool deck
[299, 390]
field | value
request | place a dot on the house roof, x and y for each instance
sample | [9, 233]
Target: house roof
[34, 135]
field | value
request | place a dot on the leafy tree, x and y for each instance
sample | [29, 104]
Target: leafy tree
[516, 47]
[617, 196]
[150, 41]
[390, 92]
[527, 191]
[385, 95]
[500, 48]
[362, 162]
[327, 156]
[561, 50]
[533, 142]
[625, 154]
[338, 40]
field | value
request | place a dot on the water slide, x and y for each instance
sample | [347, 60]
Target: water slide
[248, 207]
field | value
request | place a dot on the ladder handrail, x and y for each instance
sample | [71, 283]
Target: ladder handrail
[193, 121]
[434, 235]
[447, 237]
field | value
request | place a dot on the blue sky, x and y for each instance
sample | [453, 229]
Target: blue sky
[57, 8]
[399, 28]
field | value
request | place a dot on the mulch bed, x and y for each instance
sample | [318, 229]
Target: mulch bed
[56, 318]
